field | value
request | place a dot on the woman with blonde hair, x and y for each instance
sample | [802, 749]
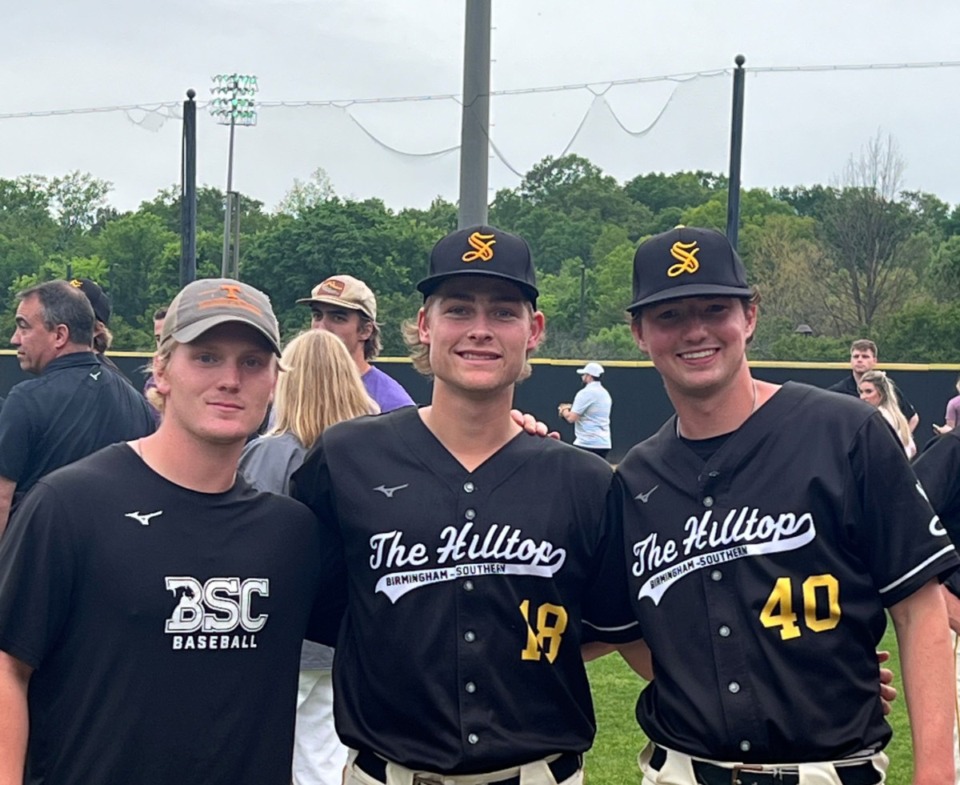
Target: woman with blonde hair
[877, 389]
[319, 386]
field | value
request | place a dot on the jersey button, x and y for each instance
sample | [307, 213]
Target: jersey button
[734, 687]
[470, 687]
[745, 746]
[473, 738]
[708, 501]
[724, 631]
[469, 487]
[713, 475]
[716, 575]
[469, 636]
[468, 585]
[470, 514]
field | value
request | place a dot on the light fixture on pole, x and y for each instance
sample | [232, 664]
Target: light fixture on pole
[232, 104]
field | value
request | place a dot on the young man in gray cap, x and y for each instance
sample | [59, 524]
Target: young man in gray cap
[346, 307]
[590, 412]
[471, 548]
[767, 530]
[152, 604]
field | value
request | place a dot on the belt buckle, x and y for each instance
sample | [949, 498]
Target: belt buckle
[424, 779]
[774, 774]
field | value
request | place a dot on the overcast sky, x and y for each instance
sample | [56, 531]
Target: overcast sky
[801, 126]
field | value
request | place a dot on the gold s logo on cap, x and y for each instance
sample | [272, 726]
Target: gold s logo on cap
[686, 255]
[482, 245]
[76, 283]
[232, 298]
[332, 286]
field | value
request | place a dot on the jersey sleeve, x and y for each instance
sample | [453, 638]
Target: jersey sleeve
[903, 542]
[938, 469]
[15, 436]
[607, 613]
[38, 565]
[311, 485]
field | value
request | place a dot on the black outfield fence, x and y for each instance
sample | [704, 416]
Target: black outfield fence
[640, 404]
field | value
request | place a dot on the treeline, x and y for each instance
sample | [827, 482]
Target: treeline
[859, 259]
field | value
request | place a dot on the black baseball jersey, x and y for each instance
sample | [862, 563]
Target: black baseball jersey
[164, 625]
[460, 648]
[760, 578]
[938, 468]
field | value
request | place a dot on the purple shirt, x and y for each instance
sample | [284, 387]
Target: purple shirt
[953, 411]
[385, 390]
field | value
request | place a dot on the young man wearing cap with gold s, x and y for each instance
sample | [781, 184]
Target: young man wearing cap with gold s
[767, 529]
[471, 549]
[152, 604]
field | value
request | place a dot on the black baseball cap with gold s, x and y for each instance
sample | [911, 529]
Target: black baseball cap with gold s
[482, 250]
[687, 262]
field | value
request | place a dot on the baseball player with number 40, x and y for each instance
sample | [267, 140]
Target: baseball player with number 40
[767, 530]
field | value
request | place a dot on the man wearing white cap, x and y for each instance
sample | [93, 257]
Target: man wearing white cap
[346, 307]
[590, 412]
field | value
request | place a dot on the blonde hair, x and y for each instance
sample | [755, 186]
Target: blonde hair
[420, 352]
[888, 403]
[160, 359]
[319, 385]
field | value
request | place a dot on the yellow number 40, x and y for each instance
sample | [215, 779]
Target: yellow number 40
[778, 612]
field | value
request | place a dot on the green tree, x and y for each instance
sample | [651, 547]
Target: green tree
[78, 201]
[363, 239]
[304, 195]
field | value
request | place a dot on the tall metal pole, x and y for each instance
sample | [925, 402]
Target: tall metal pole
[475, 122]
[736, 143]
[233, 105]
[188, 193]
[226, 265]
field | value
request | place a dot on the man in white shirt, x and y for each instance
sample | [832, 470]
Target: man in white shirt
[590, 412]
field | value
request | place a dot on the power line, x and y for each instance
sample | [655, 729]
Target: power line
[171, 108]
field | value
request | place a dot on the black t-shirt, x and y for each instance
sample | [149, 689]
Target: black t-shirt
[75, 407]
[164, 625]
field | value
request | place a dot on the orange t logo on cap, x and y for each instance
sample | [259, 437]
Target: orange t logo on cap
[686, 254]
[482, 245]
[334, 286]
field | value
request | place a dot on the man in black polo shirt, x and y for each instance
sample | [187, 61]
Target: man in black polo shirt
[73, 408]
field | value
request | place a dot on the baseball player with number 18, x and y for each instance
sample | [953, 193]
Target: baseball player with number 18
[767, 530]
[458, 660]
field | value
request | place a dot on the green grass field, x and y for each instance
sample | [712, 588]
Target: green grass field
[613, 759]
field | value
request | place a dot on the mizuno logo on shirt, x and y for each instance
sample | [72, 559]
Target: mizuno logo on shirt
[95, 375]
[388, 492]
[143, 518]
[645, 496]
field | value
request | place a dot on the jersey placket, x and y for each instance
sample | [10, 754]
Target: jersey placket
[470, 637]
[727, 626]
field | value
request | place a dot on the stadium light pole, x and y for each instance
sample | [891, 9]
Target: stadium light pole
[233, 104]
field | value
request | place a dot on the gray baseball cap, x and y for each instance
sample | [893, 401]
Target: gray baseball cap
[208, 302]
